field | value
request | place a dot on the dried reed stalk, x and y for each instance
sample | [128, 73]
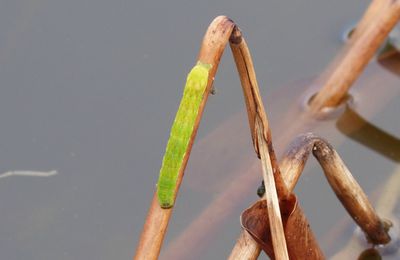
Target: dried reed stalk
[261, 135]
[157, 220]
[258, 122]
[271, 196]
[340, 179]
[214, 42]
[379, 20]
[201, 226]
[343, 184]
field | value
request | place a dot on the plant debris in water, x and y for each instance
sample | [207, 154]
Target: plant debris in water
[28, 173]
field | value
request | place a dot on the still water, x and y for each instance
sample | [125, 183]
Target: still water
[90, 88]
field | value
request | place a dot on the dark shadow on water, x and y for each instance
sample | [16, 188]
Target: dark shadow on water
[392, 63]
[360, 130]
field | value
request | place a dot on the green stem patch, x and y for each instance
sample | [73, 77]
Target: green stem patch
[181, 131]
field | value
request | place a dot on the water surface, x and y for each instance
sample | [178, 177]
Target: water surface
[90, 89]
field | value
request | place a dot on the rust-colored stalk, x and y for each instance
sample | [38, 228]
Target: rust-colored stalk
[339, 177]
[201, 227]
[343, 184]
[156, 223]
[262, 137]
[271, 196]
[245, 248]
[254, 104]
[214, 42]
[262, 141]
[350, 193]
[375, 8]
[384, 17]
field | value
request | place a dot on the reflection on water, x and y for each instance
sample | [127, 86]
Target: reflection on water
[360, 130]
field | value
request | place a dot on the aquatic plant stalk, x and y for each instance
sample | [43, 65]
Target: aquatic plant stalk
[245, 248]
[386, 206]
[222, 205]
[274, 214]
[214, 41]
[261, 134]
[350, 193]
[258, 121]
[340, 179]
[157, 220]
[344, 185]
[375, 8]
[351, 64]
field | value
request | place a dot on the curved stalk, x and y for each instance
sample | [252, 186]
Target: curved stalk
[214, 42]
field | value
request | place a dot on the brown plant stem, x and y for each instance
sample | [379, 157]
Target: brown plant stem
[386, 205]
[214, 214]
[342, 182]
[261, 134]
[245, 248]
[339, 177]
[254, 104]
[263, 145]
[351, 64]
[350, 193]
[156, 223]
[374, 9]
[271, 196]
[214, 42]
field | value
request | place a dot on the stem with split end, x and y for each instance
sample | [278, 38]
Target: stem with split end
[254, 104]
[274, 214]
[262, 141]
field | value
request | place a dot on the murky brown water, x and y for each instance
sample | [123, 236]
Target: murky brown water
[90, 88]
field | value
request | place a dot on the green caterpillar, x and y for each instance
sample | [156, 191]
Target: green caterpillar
[181, 132]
